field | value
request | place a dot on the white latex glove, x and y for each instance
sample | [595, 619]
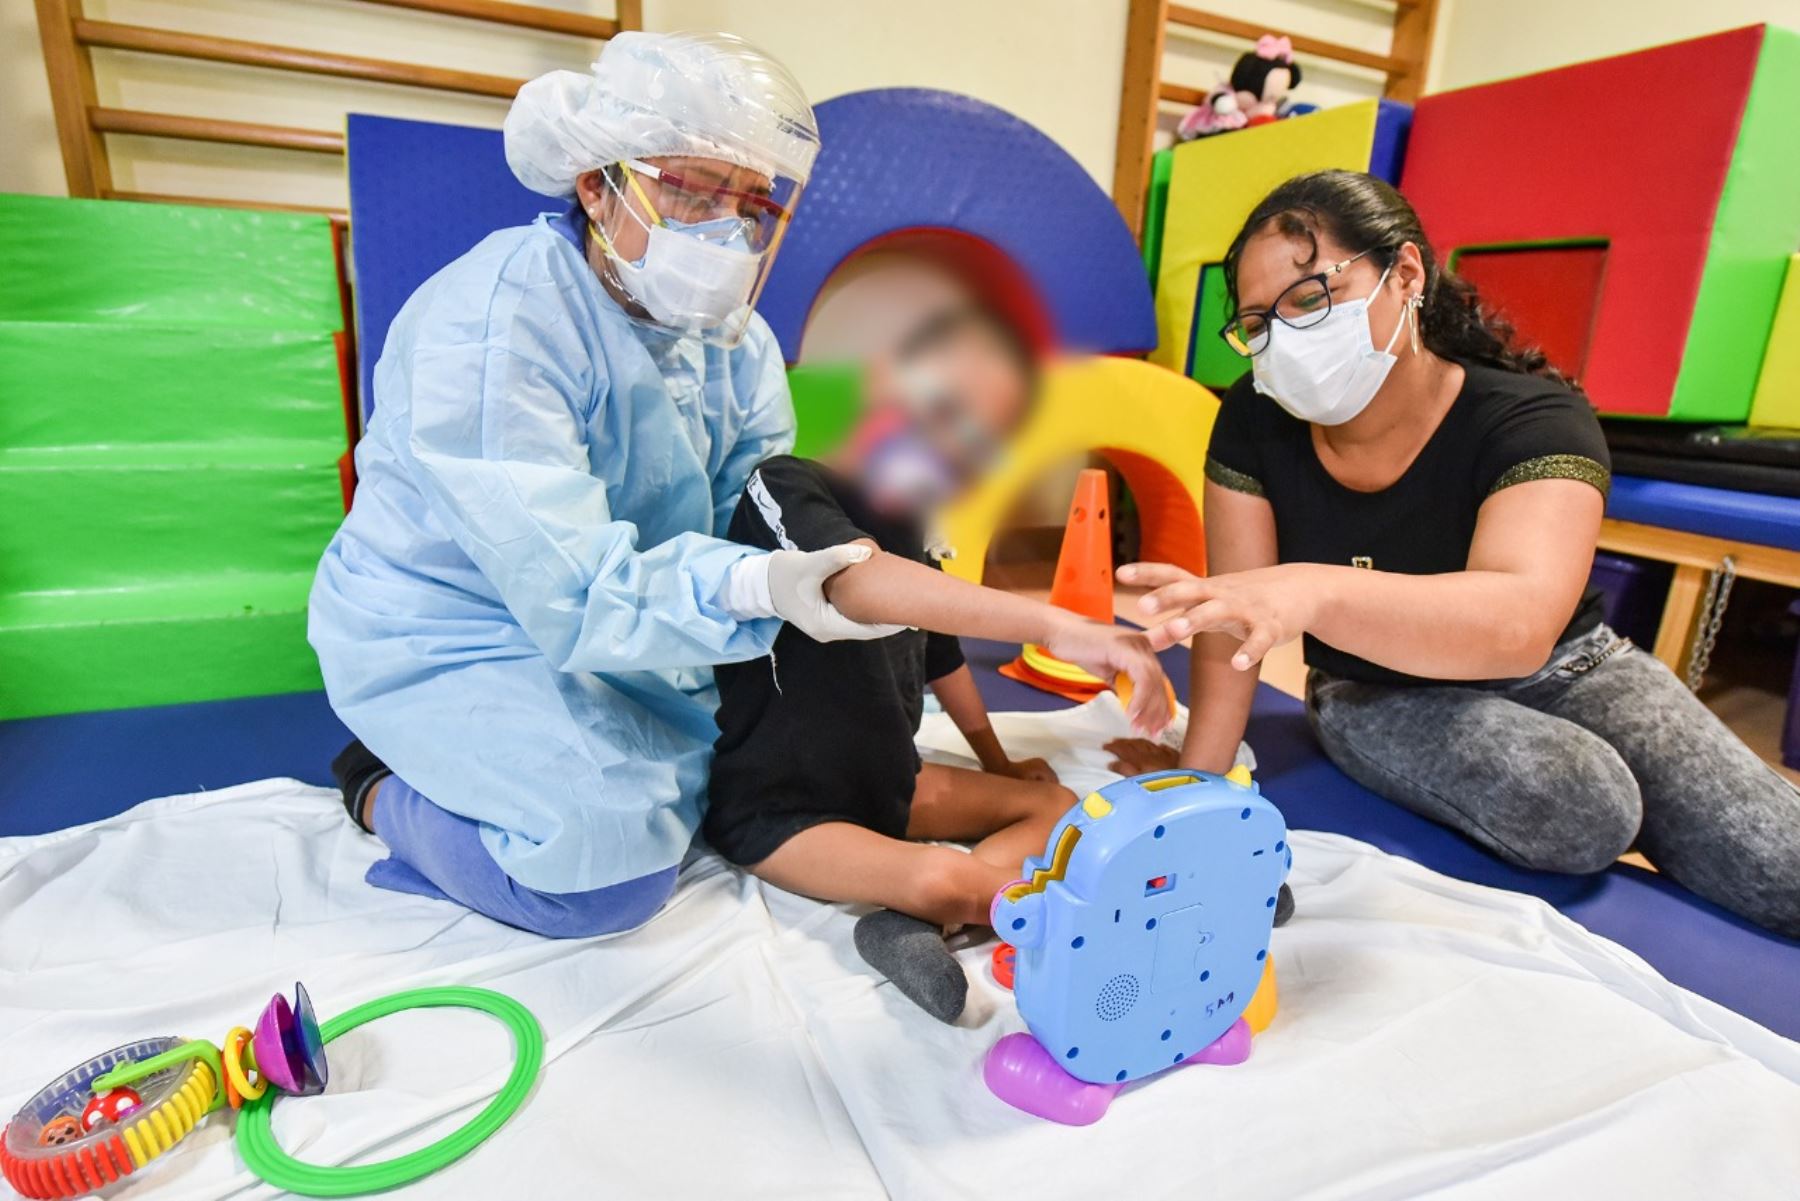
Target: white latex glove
[797, 593]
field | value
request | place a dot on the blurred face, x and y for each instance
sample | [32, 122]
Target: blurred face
[682, 190]
[937, 417]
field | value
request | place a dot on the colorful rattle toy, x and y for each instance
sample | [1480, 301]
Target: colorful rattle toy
[106, 1119]
[1141, 940]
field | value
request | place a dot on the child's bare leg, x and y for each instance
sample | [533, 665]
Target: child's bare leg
[1008, 820]
[837, 861]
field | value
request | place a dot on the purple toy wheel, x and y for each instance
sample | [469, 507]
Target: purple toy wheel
[290, 1054]
[1021, 1073]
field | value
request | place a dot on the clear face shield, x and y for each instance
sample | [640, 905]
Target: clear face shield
[708, 232]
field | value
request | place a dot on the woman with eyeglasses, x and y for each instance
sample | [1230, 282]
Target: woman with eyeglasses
[1419, 499]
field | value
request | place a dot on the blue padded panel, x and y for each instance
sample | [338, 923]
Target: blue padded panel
[1393, 121]
[63, 771]
[897, 159]
[1720, 512]
[421, 194]
[1692, 942]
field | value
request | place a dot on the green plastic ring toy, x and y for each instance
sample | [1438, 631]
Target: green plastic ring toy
[256, 1142]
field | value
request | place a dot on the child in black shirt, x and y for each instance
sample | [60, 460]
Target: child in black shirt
[816, 785]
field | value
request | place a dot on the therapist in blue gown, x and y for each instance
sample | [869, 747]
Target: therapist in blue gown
[519, 616]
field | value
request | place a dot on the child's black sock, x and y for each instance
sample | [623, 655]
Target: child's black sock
[356, 770]
[1284, 905]
[912, 954]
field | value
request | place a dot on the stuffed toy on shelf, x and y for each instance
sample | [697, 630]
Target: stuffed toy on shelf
[1257, 93]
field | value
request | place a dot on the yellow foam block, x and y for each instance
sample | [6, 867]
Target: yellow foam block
[1776, 404]
[1215, 182]
[1150, 423]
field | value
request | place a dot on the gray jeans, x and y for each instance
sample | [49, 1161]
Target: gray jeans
[1567, 769]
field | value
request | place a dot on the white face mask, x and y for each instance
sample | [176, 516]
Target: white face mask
[1329, 372]
[690, 278]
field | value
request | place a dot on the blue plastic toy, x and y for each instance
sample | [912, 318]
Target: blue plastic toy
[1142, 935]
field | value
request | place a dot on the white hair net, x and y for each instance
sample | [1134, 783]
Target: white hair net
[649, 94]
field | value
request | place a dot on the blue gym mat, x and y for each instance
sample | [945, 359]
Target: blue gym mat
[1744, 516]
[421, 193]
[63, 771]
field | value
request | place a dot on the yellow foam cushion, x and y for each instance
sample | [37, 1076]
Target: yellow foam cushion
[1776, 404]
[1215, 182]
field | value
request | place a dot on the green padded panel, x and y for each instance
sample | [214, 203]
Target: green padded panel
[107, 260]
[1755, 231]
[120, 518]
[1215, 364]
[1156, 203]
[827, 397]
[170, 425]
[90, 384]
[192, 640]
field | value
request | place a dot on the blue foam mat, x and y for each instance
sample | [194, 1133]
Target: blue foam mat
[1720, 512]
[63, 771]
[421, 193]
[898, 159]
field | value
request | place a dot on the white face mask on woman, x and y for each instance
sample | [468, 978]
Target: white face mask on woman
[1329, 372]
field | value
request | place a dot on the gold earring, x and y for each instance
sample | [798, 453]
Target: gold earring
[1412, 317]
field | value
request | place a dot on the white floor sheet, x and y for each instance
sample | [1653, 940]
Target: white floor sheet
[1435, 1038]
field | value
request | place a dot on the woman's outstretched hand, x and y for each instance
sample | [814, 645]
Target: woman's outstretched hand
[1264, 608]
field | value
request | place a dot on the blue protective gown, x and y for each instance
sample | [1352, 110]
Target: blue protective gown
[520, 612]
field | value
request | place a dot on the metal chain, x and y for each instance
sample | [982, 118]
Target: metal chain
[1712, 616]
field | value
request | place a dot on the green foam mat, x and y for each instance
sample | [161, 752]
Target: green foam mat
[108, 260]
[121, 519]
[189, 640]
[170, 426]
[1756, 229]
[827, 398]
[92, 384]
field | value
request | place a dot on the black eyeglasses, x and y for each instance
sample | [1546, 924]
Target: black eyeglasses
[1306, 301]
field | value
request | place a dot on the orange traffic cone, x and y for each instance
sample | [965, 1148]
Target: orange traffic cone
[1083, 584]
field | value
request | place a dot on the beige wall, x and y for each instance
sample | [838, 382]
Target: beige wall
[1486, 40]
[1056, 63]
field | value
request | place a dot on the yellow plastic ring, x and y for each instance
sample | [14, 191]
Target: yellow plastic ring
[233, 1059]
[1044, 663]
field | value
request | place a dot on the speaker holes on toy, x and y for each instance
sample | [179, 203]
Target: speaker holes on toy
[1117, 996]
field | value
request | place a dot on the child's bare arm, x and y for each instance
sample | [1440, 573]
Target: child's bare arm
[889, 589]
[961, 699]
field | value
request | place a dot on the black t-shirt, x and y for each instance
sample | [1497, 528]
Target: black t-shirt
[818, 731]
[1504, 428]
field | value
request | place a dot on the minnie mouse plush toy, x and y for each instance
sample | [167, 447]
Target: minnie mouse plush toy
[1263, 78]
